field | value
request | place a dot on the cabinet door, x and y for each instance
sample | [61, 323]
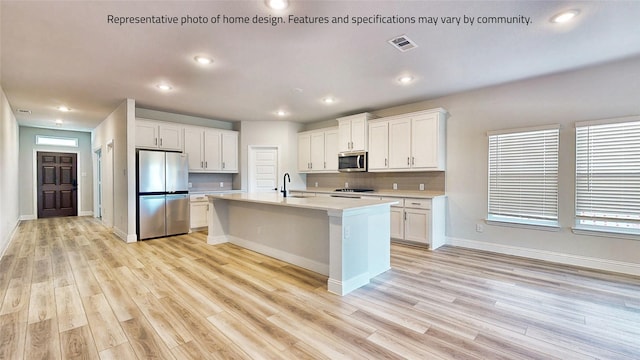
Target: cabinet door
[331, 150]
[146, 134]
[230, 151]
[424, 141]
[304, 152]
[416, 225]
[344, 133]
[199, 214]
[170, 137]
[359, 134]
[212, 150]
[193, 146]
[400, 144]
[378, 145]
[397, 222]
[317, 151]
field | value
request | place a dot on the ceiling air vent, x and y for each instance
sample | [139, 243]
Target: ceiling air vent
[403, 43]
[23, 111]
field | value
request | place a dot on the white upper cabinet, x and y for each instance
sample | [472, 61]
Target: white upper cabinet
[304, 152]
[230, 151]
[211, 150]
[399, 144]
[331, 150]
[318, 151]
[152, 134]
[378, 146]
[408, 142]
[353, 132]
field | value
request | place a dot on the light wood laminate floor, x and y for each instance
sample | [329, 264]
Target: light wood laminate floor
[70, 289]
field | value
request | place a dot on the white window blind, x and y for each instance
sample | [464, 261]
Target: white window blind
[523, 176]
[608, 176]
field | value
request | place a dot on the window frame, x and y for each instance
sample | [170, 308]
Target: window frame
[584, 224]
[549, 223]
[61, 139]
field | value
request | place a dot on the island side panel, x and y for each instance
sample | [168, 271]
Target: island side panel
[296, 235]
[360, 247]
[218, 223]
[379, 241]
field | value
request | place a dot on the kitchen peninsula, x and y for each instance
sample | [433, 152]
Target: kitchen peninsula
[345, 239]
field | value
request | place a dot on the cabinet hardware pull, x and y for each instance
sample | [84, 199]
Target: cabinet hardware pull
[201, 164]
[405, 216]
[413, 160]
[155, 141]
[206, 165]
[160, 141]
[325, 164]
[385, 162]
[408, 163]
[223, 164]
[415, 204]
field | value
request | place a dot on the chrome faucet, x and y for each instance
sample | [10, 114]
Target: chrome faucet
[284, 184]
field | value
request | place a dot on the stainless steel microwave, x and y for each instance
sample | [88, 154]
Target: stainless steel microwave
[352, 161]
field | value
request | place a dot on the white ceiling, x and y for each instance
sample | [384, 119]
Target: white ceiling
[65, 53]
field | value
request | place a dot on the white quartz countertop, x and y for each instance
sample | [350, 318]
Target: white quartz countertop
[386, 193]
[311, 202]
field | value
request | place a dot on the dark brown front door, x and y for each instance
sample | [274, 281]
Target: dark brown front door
[57, 184]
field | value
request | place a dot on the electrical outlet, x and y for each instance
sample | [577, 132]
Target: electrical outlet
[190, 185]
[395, 186]
[221, 184]
[479, 228]
[316, 184]
[346, 185]
[422, 187]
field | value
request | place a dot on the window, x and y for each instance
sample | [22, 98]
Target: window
[608, 175]
[56, 141]
[523, 176]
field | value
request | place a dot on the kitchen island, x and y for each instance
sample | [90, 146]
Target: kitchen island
[347, 240]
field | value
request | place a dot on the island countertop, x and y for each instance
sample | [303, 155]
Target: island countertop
[310, 202]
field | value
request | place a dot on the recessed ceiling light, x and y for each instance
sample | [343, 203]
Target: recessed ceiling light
[277, 4]
[164, 87]
[565, 16]
[281, 113]
[203, 60]
[405, 79]
[64, 108]
[329, 100]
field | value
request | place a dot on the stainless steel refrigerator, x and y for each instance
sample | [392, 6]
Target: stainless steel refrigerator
[163, 194]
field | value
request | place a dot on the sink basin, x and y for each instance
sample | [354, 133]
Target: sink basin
[298, 196]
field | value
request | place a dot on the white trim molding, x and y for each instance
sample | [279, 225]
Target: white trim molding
[551, 256]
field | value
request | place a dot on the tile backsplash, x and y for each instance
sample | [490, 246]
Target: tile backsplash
[432, 180]
[210, 182]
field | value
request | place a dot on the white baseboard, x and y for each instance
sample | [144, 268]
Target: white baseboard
[10, 236]
[568, 259]
[303, 262]
[27, 217]
[128, 238]
[215, 240]
[85, 213]
[344, 287]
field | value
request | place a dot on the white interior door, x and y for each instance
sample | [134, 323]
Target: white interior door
[263, 168]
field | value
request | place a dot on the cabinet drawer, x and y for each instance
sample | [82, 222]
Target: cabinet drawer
[399, 201]
[417, 203]
[198, 198]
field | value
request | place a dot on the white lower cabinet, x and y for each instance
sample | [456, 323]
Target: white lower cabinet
[411, 221]
[199, 211]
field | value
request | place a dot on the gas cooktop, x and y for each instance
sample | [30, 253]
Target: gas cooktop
[354, 190]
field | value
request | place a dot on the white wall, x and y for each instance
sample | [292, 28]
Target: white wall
[28, 148]
[9, 167]
[606, 91]
[281, 133]
[118, 156]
